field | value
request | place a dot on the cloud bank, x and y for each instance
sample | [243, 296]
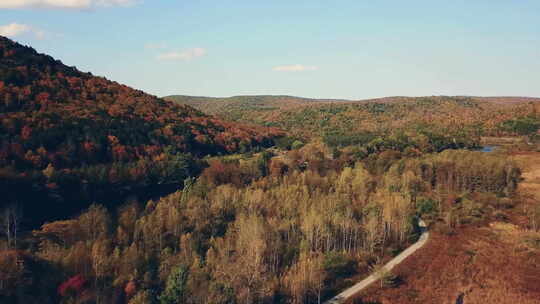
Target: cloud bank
[294, 68]
[13, 30]
[62, 4]
[185, 55]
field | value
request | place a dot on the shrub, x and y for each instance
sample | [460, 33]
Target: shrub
[176, 290]
[72, 286]
[339, 265]
[426, 207]
[297, 145]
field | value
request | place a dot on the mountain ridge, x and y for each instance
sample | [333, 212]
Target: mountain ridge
[69, 136]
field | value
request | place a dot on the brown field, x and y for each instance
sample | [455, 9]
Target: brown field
[488, 140]
[495, 263]
[530, 165]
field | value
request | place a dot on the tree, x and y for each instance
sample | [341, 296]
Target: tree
[176, 290]
[297, 145]
[101, 264]
[10, 219]
[305, 279]
[95, 222]
[49, 171]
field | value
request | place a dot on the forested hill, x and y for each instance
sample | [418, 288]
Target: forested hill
[41, 93]
[439, 120]
[230, 105]
[60, 127]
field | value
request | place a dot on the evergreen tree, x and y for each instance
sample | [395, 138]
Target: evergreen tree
[176, 290]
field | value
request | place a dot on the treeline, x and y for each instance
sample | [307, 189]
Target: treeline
[528, 125]
[51, 194]
[421, 139]
[288, 230]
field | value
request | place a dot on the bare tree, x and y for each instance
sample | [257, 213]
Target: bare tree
[10, 220]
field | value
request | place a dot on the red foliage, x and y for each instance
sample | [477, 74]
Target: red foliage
[26, 132]
[130, 289]
[42, 97]
[113, 140]
[216, 173]
[75, 285]
[86, 120]
[120, 153]
[89, 147]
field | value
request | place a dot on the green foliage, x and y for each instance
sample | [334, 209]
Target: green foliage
[262, 162]
[338, 265]
[340, 139]
[426, 207]
[288, 143]
[522, 125]
[176, 291]
[389, 279]
[297, 144]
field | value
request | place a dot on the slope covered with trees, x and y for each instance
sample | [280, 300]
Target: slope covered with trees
[422, 123]
[70, 136]
[220, 105]
[293, 235]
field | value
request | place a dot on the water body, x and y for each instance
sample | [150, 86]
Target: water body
[489, 149]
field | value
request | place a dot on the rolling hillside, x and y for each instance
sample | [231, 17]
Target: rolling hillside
[70, 137]
[234, 107]
[432, 123]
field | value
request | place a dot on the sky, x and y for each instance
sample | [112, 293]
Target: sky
[322, 49]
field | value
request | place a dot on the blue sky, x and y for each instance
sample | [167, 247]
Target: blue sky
[327, 49]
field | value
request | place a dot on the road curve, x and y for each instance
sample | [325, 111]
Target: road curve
[351, 291]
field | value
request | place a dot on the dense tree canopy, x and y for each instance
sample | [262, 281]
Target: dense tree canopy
[283, 238]
[425, 123]
[63, 131]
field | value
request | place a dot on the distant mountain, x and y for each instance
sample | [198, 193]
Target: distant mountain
[62, 129]
[229, 105]
[493, 99]
[508, 99]
[219, 105]
[303, 117]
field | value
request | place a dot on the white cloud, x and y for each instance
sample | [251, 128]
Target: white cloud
[185, 55]
[155, 46]
[63, 4]
[115, 2]
[294, 68]
[16, 29]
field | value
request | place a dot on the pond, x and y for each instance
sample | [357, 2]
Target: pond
[489, 148]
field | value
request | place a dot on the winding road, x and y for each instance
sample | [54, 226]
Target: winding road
[351, 291]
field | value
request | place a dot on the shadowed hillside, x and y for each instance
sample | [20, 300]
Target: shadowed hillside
[71, 137]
